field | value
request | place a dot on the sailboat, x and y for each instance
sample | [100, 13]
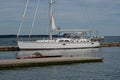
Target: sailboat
[58, 43]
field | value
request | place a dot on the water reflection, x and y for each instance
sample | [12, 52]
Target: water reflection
[54, 73]
[65, 52]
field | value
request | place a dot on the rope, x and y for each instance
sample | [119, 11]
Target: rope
[34, 18]
[22, 20]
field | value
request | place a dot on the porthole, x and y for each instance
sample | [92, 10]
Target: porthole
[92, 43]
[64, 44]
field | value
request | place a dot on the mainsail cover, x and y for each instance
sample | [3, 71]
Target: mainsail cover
[53, 24]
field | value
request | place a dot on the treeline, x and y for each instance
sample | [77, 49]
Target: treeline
[14, 36]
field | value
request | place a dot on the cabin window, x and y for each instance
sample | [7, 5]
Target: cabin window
[88, 41]
[61, 41]
[67, 41]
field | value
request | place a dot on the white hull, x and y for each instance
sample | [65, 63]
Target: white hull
[33, 45]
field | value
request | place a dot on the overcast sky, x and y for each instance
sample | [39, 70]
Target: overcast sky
[101, 15]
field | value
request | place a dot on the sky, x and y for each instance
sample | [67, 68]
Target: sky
[100, 15]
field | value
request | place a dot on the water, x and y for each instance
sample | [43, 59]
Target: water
[109, 69]
[111, 39]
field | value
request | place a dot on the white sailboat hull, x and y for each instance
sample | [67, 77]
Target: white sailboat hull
[32, 45]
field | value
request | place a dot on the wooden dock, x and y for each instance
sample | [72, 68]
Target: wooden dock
[9, 48]
[110, 44]
[19, 63]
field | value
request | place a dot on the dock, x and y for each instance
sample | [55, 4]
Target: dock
[110, 44]
[9, 48]
[22, 63]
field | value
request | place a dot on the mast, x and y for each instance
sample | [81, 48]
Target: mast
[50, 19]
